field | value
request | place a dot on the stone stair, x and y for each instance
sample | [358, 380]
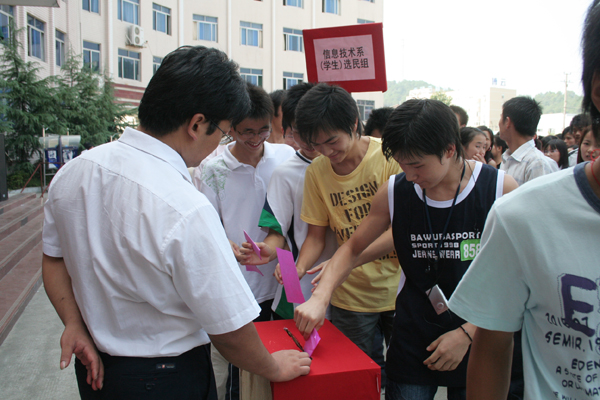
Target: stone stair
[21, 220]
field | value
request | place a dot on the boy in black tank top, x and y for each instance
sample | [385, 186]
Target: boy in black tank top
[437, 208]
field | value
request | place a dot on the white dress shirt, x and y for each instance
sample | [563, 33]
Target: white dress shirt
[527, 163]
[151, 268]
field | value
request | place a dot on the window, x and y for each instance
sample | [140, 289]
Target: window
[128, 11]
[363, 21]
[91, 5]
[7, 14]
[129, 64]
[205, 28]
[253, 76]
[91, 56]
[331, 6]
[292, 39]
[365, 107]
[35, 37]
[156, 61]
[251, 34]
[293, 3]
[291, 78]
[60, 48]
[161, 18]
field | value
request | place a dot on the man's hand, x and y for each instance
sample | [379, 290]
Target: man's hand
[266, 252]
[310, 315]
[76, 340]
[448, 351]
[292, 364]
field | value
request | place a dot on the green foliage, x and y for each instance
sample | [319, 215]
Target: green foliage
[553, 102]
[398, 91]
[443, 97]
[78, 102]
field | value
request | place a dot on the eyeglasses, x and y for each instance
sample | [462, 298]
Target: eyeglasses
[249, 134]
[225, 137]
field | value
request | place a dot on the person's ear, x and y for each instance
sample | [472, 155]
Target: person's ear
[596, 90]
[196, 126]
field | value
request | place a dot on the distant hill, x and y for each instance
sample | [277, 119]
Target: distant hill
[553, 102]
[397, 91]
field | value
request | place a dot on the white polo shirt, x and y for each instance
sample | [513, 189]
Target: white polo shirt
[527, 163]
[238, 191]
[151, 267]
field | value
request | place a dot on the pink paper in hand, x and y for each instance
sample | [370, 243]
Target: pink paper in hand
[289, 274]
[311, 343]
[257, 251]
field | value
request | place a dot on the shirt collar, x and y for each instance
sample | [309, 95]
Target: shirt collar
[233, 163]
[150, 145]
[519, 153]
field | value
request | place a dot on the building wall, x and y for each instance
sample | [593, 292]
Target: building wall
[106, 29]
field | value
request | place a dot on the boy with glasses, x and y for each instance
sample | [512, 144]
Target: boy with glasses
[236, 181]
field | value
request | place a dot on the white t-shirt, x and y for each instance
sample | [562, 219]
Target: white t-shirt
[527, 163]
[151, 268]
[284, 198]
[539, 269]
[238, 191]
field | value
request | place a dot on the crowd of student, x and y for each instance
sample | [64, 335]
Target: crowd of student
[145, 240]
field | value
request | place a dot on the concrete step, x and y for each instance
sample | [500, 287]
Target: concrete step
[15, 218]
[17, 288]
[15, 201]
[15, 246]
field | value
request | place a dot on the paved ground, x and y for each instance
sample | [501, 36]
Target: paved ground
[30, 355]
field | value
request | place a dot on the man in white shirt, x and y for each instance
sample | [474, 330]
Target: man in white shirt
[136, 256]
[518, 125]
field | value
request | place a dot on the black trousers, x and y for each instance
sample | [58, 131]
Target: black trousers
[187, 376]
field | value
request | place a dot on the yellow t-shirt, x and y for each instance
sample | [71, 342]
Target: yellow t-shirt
[341, 202]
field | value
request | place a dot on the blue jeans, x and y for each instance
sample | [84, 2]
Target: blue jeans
[403, 391]
[361, 327]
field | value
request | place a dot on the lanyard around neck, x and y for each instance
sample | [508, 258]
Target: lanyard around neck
[438, 245]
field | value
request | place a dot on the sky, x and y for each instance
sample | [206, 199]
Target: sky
[463, 44]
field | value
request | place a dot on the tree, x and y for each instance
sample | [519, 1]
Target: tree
[553, 102]
[27, 105]
[443, 97]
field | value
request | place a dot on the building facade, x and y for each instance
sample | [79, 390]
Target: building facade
[127, 39]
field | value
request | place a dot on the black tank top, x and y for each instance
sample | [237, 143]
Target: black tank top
[416, 324]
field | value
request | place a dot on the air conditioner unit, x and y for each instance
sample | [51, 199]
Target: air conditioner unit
[135, 36]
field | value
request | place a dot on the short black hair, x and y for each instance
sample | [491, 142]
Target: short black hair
[467, 134]
[326, 108]
[193, 80]
[546, 139]
[499, 142]
[557, 144]
[288, 107]
[590, 44]
[525, 114]
[277, 97]
[261, 106]
[579, 122]
[463, 117]
[377, 120]
[421, 127]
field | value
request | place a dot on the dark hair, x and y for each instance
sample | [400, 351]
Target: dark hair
[546, 139]
[326, 108]
[261, 106]
[590, 43]
[579, 122]
[557, 144]
[488, 152]
[87, 145]
[467, 135]
[581, 139]
[277, 98]
[289, 104]
[524, 112]
[420, 127]
[566, 131]
[500, 143]
[463, 117]
[193, 80]
[377, 120]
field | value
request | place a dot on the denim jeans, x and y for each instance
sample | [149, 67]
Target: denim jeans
[361, 327]
[402, 391]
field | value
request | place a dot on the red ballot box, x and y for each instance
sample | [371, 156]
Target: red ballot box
[339, 369]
